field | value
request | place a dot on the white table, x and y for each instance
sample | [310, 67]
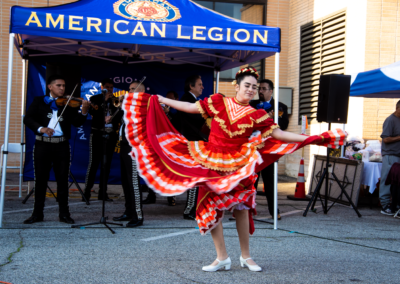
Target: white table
[371, 175]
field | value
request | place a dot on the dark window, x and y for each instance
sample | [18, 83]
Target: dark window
[207, 4]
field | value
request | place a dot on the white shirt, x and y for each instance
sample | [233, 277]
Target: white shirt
[108, 114]
[52, 123]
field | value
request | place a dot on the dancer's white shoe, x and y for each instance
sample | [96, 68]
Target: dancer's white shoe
[243, 263]
[222, 264]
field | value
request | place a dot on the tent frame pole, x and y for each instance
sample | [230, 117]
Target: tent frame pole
[7, 124]
[342, 147]
[276, 117]
[21, 158]
[217, 83]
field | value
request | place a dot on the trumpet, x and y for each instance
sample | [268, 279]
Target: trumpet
[116, 101]
[117, 98]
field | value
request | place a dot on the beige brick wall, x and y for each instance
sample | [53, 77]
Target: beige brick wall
[278, 15]
[290, 16]
[382, 47]
[253, 14]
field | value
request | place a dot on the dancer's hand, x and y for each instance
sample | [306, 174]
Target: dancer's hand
[160, 99]
[178, 105]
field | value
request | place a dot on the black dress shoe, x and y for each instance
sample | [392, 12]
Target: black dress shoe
[87, 196]
[149, 200]
[279, 217]
[67, 220]
[107, 198]
[134, 223]
[171, 201]
[123, 217]
[189, 217]
[33, 219]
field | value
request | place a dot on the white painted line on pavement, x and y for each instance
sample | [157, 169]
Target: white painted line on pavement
[287, 213]
[180, 233]
[47, 207]
[170, 235]
[224, 224]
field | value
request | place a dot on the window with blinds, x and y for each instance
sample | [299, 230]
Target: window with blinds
[322, 51]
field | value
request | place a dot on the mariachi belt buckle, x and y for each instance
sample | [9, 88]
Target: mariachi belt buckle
[108, 129]
[51, 140]
[54, 139]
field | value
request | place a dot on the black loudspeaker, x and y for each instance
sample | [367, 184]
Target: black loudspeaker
[333, 98]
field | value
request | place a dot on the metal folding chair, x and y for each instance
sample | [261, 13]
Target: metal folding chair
[15, 148]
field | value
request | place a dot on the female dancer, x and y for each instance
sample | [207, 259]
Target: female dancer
[224, 167]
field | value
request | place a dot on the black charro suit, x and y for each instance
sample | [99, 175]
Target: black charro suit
[47, 155]
[268, 172]
[130, 180]
[283, 120]
[97, 115]
[191, 125]
[39, 114]
[96, 143]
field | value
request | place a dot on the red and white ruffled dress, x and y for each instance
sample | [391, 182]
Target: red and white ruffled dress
[224, 167]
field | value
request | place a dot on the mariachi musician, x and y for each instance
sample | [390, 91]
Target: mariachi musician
[129, 176]
[52, 125]
[105, 116]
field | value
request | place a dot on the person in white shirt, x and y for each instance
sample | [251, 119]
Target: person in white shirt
[52, 127]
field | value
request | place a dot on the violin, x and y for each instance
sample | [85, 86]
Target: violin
[72, 102]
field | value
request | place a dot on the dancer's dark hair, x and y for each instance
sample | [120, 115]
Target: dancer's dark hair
[243, 73]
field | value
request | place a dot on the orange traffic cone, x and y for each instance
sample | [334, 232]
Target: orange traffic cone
[300, 191]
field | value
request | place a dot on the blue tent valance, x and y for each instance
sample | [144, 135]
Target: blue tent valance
[378, 83]
[173, 31]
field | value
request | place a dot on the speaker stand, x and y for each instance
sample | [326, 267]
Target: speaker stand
[328, 169]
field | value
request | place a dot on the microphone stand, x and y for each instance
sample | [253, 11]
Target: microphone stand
[103, 219]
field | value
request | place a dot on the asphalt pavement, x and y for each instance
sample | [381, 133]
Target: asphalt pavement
[337, 247]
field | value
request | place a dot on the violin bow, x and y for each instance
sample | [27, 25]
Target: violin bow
[70, 97]
[119, 108]
[141, 81]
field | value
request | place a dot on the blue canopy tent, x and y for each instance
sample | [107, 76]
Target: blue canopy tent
[137, 32]
[378, 83]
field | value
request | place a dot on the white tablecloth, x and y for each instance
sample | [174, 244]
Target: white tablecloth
[371, 175]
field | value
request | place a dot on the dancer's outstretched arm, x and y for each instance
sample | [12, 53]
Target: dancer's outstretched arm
[287, 136]
[178, 105]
